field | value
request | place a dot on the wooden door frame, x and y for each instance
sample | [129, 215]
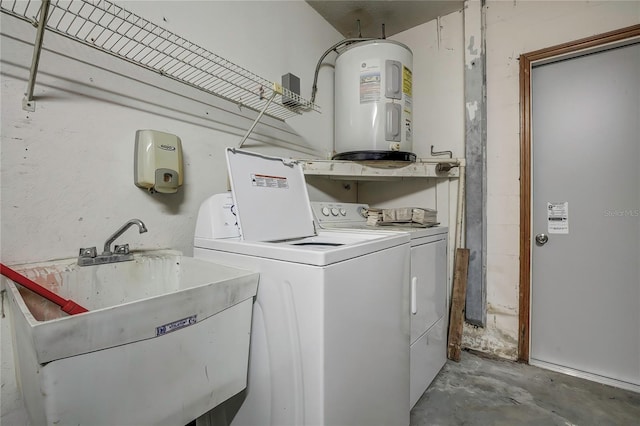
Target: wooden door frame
[526, 61]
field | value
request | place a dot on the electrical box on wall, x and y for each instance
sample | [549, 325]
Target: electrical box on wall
[158, 161]
[292, 83]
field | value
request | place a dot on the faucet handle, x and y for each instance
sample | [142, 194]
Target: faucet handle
[121, 249]
[88, 252]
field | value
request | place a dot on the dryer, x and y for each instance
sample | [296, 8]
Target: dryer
[330, 331]
[428, 286]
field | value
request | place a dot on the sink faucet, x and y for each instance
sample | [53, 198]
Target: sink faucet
[107, 245]
[89, 255]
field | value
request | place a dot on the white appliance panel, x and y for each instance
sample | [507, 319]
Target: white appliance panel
[270, 196]
[317, 355]
[324, 249]
[427, 277]
[366, 325]
[318, 295]
[428, 283]
[350, 217]
[428, 355]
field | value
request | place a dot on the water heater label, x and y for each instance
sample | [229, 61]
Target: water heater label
[407, 113]
[370, 81]
[176, 325]
[267, 181]
[407, 81]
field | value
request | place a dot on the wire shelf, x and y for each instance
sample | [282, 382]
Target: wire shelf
[114, 30]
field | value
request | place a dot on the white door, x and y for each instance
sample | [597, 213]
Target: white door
[585, 291]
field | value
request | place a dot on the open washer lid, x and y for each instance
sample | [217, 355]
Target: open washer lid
[270, 195]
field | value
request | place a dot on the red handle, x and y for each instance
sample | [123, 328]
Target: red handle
[68, 306]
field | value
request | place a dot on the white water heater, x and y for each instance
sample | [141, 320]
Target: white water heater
[373, 102]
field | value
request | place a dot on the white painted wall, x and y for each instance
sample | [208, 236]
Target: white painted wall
[438, 84]
[67, 168]
[514, 28]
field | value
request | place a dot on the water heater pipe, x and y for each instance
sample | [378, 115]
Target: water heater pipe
[459, 238]
[314, 88]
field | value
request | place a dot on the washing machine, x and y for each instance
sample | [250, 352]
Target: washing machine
[330, 331]
[428, 286]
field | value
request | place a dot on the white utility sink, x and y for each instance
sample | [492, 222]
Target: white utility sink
[165, 340]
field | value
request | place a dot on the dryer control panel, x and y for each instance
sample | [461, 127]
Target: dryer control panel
[339, 213]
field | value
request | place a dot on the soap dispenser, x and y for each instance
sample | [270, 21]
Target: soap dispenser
[158, 161]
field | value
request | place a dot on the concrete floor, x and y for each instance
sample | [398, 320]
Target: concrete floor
[483, 391]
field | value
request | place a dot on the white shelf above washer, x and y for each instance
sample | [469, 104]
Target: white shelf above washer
[381, 170]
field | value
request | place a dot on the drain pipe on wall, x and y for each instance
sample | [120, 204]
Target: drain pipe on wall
[460, 275]
[459, 237]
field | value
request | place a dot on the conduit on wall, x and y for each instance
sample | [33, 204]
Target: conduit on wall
[475, 154]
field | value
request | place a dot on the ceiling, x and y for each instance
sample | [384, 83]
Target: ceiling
[396, 15]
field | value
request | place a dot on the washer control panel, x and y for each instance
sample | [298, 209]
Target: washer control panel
[333, 212]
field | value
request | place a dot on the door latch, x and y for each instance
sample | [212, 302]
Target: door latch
[541, 239]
